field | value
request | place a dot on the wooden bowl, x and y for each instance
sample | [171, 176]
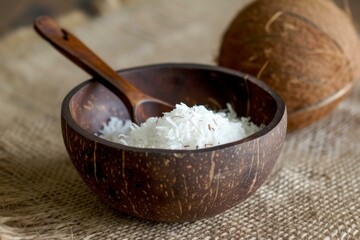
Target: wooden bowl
[174, 185]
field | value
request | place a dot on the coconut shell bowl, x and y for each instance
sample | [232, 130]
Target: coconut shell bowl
[174, 185]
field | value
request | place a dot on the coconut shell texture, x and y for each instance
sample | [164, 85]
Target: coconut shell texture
[174, 185]
[307, 50]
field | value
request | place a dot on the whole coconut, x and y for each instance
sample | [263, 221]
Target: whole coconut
[307, 50]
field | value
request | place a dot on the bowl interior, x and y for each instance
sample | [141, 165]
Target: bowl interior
[92, 104]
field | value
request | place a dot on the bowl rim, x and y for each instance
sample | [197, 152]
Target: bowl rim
[279, 114]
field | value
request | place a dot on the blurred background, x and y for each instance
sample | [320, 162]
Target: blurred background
[17, 13]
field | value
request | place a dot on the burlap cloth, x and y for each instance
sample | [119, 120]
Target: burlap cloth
[314, 194]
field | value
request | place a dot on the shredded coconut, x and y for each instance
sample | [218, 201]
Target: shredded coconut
[182, 128]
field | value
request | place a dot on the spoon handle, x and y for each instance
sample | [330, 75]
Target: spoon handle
[81, 55]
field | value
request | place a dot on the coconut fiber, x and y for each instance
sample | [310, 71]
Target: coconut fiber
[313, 193]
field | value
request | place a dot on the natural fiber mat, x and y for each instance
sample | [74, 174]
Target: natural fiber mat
[314, 194]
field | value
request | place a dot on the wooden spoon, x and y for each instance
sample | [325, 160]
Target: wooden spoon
[138, 103]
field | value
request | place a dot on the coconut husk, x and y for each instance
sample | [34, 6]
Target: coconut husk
[306, 50]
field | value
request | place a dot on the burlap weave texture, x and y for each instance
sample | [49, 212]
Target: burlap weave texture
[313, 194]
